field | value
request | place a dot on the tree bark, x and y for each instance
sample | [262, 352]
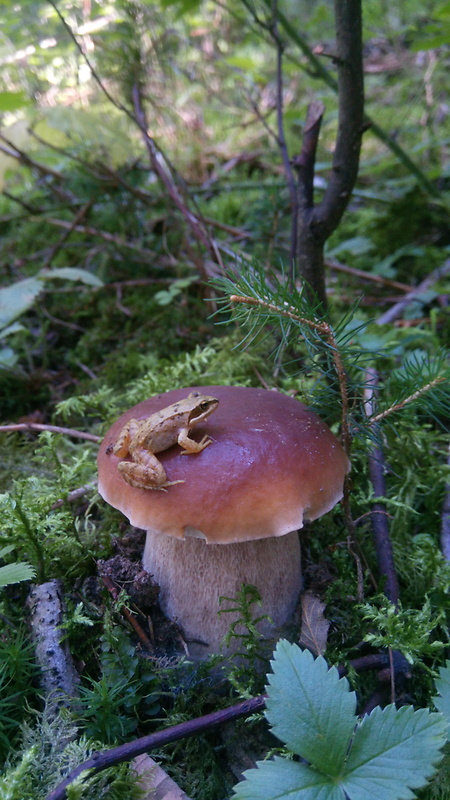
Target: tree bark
[317, 222]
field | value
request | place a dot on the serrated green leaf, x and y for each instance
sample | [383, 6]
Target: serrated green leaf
[393, 752]
[279, 778]
[15, 573]
[18, 298]
[72, 274]
[310, 708]
[442, 702]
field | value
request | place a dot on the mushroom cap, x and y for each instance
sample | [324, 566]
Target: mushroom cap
[272, 464]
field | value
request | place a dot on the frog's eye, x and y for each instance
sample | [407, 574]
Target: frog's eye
[204, 405]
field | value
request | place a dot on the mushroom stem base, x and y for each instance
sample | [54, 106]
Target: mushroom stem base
[193, 575]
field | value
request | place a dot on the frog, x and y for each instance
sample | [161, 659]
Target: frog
[141, 439]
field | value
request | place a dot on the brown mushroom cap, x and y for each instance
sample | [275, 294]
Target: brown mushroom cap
[272, 464]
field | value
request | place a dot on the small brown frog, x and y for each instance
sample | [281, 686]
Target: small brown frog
[141, 439]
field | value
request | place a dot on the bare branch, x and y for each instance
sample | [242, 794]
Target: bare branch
[403, 403]
[35, 426]
[327, 332]
[380, 524]
[344, 171]
[397, 310]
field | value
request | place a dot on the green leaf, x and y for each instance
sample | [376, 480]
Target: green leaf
[310, 708]
[280, 778]
[12, 101]
[393, 751]
[14, 328]
[14, 573]
[18, 298]
[8, 357]
[442, 702]
[358, 245]
[72, 274]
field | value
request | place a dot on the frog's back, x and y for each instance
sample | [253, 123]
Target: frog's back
[161, 430]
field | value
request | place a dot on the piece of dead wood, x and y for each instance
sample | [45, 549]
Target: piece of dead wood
[314, 630]
[397, 310]
[59, 678]
[154, 783]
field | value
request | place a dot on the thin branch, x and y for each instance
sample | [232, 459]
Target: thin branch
[115, 592]
[35, 426]
[162, 171]
[125, 752]
[344, 171]
[397, 406]
[107, 237]
[320, 71]
[59, 244]
[15, 152]
[397, 310]
[72, 497]
[445, 520]
[325, 330]
[290, 177]
[305, 162]
[380, 524]
[366, 276]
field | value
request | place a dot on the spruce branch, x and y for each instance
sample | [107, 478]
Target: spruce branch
[398, 406]
[324, 330]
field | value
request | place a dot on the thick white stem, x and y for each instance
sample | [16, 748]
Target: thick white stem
[193, 575]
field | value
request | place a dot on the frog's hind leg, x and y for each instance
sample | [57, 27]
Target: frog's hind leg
[122, 445]
[138, 475]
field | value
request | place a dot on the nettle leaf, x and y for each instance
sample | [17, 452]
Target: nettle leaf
[393, 751]
[442, 702]
[280, 778]
[310, 708]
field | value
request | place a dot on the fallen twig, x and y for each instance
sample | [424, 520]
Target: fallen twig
[366, 276]
[397, 310]
[106, 237]
[114, 591]
[445, 523]
[125, 752]
[35, 426]
[380, 526]
[72, 497]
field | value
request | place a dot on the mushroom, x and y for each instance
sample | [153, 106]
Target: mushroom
[233, 517]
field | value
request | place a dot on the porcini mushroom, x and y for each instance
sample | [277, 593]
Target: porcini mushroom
[233, 517]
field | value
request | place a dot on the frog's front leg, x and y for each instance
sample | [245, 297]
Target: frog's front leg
[122, 445]
[146, 472]
[190, 446]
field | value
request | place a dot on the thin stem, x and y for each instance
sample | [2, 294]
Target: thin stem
[35, 426]
[397, 406]
[325, 330]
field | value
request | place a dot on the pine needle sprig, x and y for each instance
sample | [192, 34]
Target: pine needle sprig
[263, 304]
[424, 380]
[273, 302]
